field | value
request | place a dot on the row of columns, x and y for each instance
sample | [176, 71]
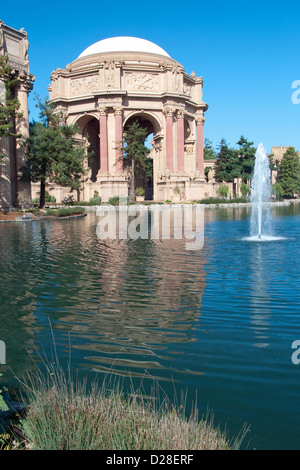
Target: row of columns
[118, 111]
[180, 141]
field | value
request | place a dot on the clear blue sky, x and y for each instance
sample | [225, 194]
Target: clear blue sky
[247, 52]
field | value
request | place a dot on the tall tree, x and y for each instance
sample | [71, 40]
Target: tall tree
[209, 151]
[9, 105]
[246, 153]
[227, 165]
[289, 173]
[135, 153]
[52, 154]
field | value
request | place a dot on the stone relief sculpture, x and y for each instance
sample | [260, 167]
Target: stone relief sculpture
[142, 81]
[110, 77]
[187, 89]
[176, 77]
[83, 85]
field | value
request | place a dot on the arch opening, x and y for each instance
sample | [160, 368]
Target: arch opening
[144, 176]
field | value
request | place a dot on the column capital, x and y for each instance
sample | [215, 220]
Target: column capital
[25, 81]
[102, 110]
[180, 113]
[118, 110]
[168, 111]
[200, 119]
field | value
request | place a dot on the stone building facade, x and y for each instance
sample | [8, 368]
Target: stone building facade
[115, 82]
[14, 43]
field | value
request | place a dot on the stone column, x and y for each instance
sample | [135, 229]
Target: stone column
[22, 124]
[103, 140]
[118, 137]
[180, 141]
[200, 148]
[169, 138]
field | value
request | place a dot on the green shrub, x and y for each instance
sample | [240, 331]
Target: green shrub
[65, 212]
[115, 200]
[140, 191]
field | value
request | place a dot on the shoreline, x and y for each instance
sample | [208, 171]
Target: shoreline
[144, 205]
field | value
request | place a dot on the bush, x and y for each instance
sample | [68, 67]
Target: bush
[48, 198]
[223, 190]
[115, 200]
[65, 212]
[95, 201]
[140, 191]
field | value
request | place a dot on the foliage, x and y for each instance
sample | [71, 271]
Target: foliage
[65, 414]
[223, 190]
[52, 154]
[48, 198]
[135, 153]
[115, 200]
[140, 191]
[289, 173]
[235, 163]
[96, 199]
[68, 201]
[65, 212]
[8, 108]
[209, 152]
[244, 189]
[228, 164]
[277, 190]
[246, 153]
[214, 200]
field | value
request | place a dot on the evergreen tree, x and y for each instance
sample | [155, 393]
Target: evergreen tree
[227, 165]
[289, 173]
[52, 154]
[209, 152]
[246, 153]
[135, 153]
[8, 104]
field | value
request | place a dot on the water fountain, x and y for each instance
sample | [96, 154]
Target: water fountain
[260, 195]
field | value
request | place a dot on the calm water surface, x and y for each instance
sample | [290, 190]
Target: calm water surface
[217, 322]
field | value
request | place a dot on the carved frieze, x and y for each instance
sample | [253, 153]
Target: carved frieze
[81, 86]
[142, 81]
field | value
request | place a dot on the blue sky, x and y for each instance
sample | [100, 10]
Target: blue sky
[247, 52]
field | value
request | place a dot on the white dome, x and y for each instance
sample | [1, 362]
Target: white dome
[123, 44]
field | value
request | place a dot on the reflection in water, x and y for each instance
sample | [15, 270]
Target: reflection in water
[198, 319]
[260, 298]
[121, 301]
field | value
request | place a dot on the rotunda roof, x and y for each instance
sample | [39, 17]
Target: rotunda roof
[123, 44]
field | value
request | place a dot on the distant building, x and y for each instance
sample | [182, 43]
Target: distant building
[14, 43]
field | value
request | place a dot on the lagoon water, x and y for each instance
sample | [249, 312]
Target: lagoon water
[217, 323]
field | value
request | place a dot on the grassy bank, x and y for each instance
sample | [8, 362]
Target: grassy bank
[63, 414]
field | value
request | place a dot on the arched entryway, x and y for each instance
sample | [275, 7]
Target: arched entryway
[89, 129]
[144, 178]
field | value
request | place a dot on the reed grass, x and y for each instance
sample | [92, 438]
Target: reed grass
[66, 414]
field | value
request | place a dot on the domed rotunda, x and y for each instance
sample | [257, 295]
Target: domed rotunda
[115, 82]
